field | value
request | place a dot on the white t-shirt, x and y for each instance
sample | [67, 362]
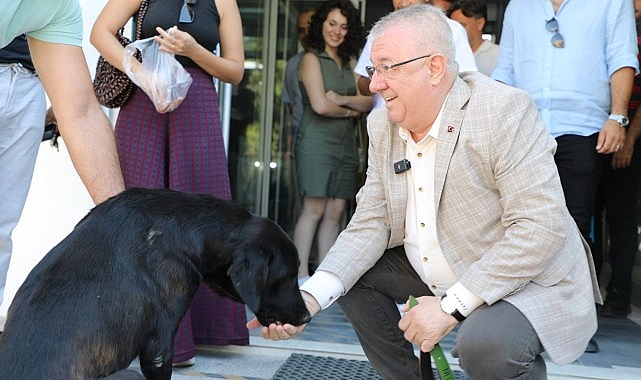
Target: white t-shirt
[464, 56]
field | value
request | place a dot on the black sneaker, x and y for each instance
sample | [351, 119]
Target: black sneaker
[593, 346]
[612, 311]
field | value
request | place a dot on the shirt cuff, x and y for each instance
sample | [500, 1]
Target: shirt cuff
[466, 302]
[325, 287]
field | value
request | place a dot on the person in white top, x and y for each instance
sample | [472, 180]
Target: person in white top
[464, 55]
[472, 14]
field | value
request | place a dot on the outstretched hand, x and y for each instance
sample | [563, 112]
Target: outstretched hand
[277, 331]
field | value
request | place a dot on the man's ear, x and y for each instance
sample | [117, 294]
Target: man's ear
[437, 65]
[480, 24]
[248, 273]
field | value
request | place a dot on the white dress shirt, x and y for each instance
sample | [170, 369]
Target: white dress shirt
[421, 241]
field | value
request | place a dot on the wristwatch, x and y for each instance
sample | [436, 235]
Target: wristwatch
[621, 119]
[450, 309]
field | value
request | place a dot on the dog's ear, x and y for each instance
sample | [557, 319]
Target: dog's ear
[248, 273]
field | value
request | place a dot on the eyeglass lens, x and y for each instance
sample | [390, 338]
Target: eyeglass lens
[387, 69]
[186, 12]
[553, 27]
[370, 71]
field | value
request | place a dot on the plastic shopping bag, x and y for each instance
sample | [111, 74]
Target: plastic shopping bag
[159, 74]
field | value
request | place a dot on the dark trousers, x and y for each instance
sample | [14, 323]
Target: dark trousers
[580, 168]
[484, 349]
[617, 201]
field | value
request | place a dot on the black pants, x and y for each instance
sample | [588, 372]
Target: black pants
[580, 168]
[484, 349]
[617, 201]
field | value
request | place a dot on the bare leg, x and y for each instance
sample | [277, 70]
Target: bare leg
[311, 213]
[330, 225]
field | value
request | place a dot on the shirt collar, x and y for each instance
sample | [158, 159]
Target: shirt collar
[433, 132]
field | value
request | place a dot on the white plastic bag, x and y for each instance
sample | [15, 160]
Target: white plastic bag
[159, 74]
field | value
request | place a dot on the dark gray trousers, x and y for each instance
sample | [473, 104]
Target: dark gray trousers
[494, 342]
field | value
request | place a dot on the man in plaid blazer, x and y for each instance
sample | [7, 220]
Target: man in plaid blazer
[462, 206]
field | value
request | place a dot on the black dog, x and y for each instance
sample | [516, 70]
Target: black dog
[118, 285]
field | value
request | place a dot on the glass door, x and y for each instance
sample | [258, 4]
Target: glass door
[259, 159]
[260, 166]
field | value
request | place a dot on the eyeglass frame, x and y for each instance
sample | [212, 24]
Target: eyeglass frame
[187, 11]
[552, 26]
[384, 68]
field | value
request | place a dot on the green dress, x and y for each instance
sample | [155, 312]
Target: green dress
[326, 150]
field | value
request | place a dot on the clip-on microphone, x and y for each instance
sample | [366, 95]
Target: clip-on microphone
[402, 166]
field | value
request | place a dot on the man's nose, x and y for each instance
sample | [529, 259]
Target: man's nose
[377, 83]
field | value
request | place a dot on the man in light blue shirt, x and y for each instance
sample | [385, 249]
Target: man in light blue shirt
[54, 34]
[578, 60]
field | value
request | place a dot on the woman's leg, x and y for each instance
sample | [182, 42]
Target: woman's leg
[330, 225]
[311, 213]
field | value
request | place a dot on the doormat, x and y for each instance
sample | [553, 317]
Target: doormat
[310, 367]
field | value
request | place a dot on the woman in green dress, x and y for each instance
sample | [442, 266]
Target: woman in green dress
[326, 152]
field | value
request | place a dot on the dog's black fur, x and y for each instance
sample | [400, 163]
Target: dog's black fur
[118, 285]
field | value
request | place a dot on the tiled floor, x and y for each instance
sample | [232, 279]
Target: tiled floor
[329, 334]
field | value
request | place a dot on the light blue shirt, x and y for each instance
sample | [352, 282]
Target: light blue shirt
[570, 85]
[57, 21]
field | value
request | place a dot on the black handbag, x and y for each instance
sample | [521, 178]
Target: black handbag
[113, 88]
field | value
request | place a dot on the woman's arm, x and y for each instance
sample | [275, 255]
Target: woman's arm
[311, 76]
[111, 19]
[229, 66]
[361, 102]
[358, 102]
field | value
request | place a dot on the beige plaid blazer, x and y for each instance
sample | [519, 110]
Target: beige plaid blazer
[500, 213]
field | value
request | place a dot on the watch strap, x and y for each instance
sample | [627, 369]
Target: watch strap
[621, 119]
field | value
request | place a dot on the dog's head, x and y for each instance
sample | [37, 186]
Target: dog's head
[264, 272]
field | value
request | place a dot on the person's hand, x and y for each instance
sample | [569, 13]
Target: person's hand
[175, 41]
[623, 158]
[50, 117]
[277, 331]
[611, 138]
[426, 324]
[334, 97]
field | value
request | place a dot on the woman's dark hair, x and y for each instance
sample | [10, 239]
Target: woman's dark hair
[469, 8]
[355, 37]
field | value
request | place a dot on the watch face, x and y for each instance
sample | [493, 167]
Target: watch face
[621, 119]
[447, 307]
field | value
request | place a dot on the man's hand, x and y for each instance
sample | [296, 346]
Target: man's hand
[623, 158]
[282, 332]
[426, 324]
[611, 138]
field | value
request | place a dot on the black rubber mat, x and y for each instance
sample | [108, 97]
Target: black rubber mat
[309, 367]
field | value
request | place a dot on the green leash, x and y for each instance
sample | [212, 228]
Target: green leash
[443, 367]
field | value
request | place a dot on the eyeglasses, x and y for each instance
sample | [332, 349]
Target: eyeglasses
[187, 12]
[389, 71]
[553, 27]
